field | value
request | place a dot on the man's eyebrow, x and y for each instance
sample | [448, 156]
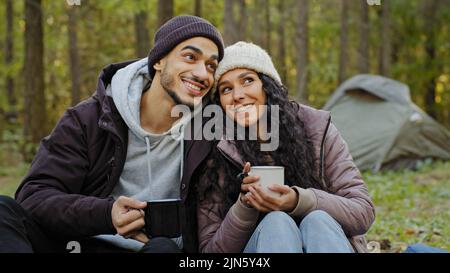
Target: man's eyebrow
[196, 49]
[199, 51]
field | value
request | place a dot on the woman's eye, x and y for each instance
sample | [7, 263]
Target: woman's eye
[248, 80]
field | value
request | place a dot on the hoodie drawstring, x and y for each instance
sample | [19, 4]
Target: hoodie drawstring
[149, 167]
[182, 153]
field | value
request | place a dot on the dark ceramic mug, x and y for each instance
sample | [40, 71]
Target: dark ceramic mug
[163, 218]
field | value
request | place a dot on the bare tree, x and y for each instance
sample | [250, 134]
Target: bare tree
[198, 8]
[231, 34]
[257, 23]
[268, 26]
[142, 33]
[302, 53]
[242, 20]
[429, 12]
[282, 41]
[363, 52]
[165, 11]
[11, 115]
[343, 51]
[386, 46]
[261, 24]
[75, 67]
[35, 111]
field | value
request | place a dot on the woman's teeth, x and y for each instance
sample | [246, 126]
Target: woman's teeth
[243, 108]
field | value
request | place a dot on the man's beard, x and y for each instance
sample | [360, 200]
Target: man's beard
[167, 81]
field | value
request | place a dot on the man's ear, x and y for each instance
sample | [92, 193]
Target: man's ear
[159, 65]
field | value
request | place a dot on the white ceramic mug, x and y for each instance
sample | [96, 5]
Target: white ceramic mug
[269, 175]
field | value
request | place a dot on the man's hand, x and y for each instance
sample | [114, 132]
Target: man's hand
[139, 236]
[128, 218]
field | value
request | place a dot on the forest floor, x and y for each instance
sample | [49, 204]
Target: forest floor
[411, 206]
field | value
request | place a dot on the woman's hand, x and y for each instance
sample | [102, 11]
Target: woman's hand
[260, 200]
[247, 182]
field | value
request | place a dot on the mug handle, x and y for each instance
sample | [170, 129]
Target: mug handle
[240, 177]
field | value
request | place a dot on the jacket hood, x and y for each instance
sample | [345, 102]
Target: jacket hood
[126, 89]
[105, 77]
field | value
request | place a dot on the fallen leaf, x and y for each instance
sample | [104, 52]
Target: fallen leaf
[410, 231]
[385, 244]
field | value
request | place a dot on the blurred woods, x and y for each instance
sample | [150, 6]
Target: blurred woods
[52, 52]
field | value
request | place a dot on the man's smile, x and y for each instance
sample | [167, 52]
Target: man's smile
[194, 86]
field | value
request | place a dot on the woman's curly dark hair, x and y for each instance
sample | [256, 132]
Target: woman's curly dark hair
[295, 151]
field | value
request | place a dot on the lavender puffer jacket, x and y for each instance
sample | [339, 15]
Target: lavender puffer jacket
[346, 197]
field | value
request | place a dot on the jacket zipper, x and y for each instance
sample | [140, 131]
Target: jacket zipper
[111, 167]
[322, 167]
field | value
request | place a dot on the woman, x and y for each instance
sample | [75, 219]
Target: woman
[324, 205]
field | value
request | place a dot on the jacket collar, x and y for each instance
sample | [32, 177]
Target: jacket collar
[229, 150]
[103, 80]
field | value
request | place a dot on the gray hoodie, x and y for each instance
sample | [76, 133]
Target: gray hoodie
[154, 163]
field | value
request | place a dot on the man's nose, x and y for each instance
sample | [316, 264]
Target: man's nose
[201, 72]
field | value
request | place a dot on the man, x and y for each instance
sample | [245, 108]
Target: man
[117, 149]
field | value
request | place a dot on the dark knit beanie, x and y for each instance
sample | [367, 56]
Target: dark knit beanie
[177, 30]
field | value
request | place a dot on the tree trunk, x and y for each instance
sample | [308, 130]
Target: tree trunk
[165, 11]
[34, 95]
[242, 20]
[142, 34]
[282, 41]
[302, 54]
[386, 46]
[198, 8]
[75, 67]
[363, 54]
[259, 35]
[343, 51]
[396, 45]
[431, 7]
[268, 26]
[231, 34]
[11, 113]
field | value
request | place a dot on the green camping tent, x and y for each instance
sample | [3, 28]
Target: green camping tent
[383, 128]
